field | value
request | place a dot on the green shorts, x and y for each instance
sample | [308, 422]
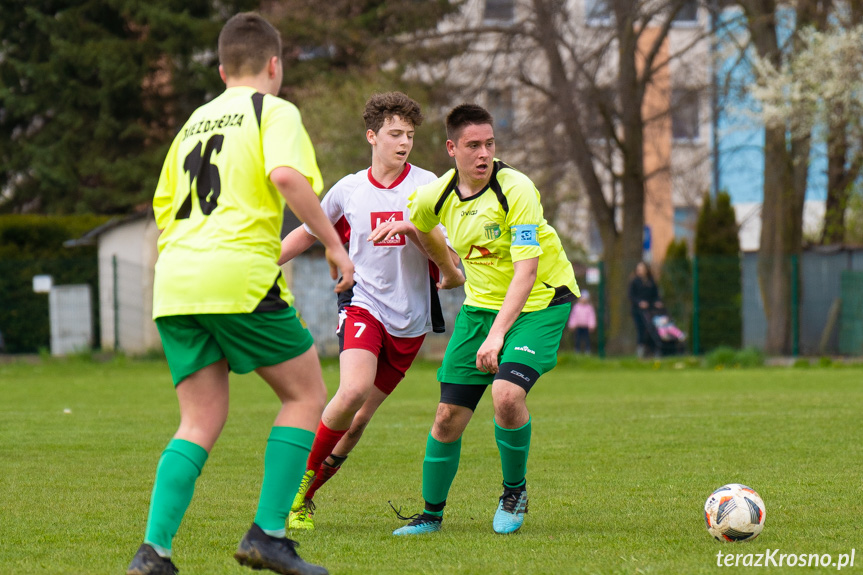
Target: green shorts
[247, 340]
[532, 340]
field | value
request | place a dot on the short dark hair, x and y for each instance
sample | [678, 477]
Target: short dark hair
[466, 115]
[246, 44]
[382, 106]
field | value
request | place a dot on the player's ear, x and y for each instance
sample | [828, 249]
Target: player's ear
[450, 148]
[222, 74]
[371, 137]
[273, 67]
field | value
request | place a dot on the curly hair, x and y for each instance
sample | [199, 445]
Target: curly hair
[382, 106]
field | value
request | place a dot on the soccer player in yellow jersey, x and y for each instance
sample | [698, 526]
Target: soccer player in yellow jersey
[518, 294]
[220, 301]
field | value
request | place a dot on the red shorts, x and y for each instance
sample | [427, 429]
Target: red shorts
[359, 329]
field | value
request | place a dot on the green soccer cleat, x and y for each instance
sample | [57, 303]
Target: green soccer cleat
[421, 524]
[304, 517]
[510, 510]
[300, 497]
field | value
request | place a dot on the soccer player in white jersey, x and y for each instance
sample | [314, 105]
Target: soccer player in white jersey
[393, 304]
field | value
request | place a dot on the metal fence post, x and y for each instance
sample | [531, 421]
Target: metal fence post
[696, 309]
[116, 294]
[600, 324]
[795, 307]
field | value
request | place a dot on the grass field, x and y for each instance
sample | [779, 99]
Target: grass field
[622, 459]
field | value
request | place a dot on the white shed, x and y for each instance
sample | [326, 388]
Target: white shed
[127, 256]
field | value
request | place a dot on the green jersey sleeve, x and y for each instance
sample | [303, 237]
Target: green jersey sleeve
[524, 219]
[286, 141]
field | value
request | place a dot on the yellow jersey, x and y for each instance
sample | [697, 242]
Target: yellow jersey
[219, 213]
[490, 230]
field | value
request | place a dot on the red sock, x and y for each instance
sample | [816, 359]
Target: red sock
[325, 440]
[326, 473]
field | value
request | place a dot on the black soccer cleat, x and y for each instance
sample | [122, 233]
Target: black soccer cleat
[260, 551]
[147, 562]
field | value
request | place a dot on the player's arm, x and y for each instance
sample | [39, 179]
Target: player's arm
[295, 243]
[389, 229]
[434, 245]
[516, 296]
[298, 193]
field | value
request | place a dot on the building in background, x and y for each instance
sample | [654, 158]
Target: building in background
[677, 148]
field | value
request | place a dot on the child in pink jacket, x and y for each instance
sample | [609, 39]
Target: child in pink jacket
[582, 320]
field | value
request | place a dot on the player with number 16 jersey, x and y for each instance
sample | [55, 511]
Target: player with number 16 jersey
[225, 260]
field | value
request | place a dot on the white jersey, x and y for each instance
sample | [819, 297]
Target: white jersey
[392, 276]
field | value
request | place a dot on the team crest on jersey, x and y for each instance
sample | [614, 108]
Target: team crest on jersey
[379, 218]
[478, 255]
[492, 231]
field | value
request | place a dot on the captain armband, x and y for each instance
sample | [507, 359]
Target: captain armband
[525, 235]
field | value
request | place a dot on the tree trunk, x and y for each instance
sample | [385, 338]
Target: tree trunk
[774, 271]
[837, 188]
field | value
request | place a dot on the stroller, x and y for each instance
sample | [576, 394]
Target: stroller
[667, 338]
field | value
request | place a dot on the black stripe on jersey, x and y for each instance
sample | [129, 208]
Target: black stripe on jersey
[450, 187]
[273, 300]
[438, 322]
[495, 185]
[562, 295]
[258, 104]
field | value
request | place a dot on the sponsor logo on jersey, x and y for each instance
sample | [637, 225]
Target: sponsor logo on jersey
[468, 213]
[379, 218]
[478, 255]
[525, 348]
[492, 231]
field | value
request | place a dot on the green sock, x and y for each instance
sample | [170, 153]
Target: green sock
[284, 465]
[179, 467]
[439, 468]
[514, 446]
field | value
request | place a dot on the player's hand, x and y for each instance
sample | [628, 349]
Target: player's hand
[341, 263]
[387, 230]
[450, 282]
[486, 357]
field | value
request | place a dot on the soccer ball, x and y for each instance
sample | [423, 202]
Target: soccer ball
[734, 512]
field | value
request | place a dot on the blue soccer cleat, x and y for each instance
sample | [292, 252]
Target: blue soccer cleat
[510, 510]
[422, 523]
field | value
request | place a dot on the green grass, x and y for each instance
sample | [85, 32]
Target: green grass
[622, 460]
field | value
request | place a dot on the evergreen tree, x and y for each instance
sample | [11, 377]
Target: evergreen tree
[720, 294]
[675, 284]
[90, 93]
[93, 91]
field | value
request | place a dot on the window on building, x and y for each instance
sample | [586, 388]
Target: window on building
[502, 109]
[684, 114]
[688, 13]
[499, 11]
[598, 12]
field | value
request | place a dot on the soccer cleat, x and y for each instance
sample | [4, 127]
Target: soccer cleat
[510, 510]
[421, 523]
[300, 497]
[304, 517]
[260, 551]
[147, 562]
